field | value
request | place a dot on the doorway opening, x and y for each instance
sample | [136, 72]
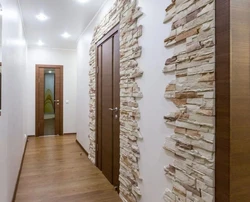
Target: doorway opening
[108, 106]
[49, 100]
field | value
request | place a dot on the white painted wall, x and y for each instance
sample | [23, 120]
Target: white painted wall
[12, 130]
[153, 106]
[0, 52]
[68, 59]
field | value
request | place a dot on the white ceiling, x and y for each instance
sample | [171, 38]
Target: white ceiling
[64, 16]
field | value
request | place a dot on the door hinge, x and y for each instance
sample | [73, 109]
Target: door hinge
[97, 69]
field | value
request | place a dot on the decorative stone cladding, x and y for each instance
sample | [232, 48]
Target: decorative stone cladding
[193, 92]
[126, 13]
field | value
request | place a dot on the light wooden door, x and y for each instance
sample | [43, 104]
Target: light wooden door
[40, 99]
[108, 105]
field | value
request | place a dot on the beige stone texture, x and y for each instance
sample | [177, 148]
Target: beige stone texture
[193, 143]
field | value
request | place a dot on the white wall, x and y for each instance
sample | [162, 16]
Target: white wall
[68, 59]
[0, 52]
[153, 106]
[12, 130]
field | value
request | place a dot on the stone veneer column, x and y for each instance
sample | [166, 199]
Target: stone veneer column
[193, 92]
[126, 13]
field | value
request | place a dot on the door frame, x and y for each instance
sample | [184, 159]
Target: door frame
[113, 31]
[38, 66]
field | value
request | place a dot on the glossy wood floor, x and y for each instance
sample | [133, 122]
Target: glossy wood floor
[56, 169]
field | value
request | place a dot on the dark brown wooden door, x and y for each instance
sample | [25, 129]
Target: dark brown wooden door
[108, 105]
[58, 101]
[40, 98]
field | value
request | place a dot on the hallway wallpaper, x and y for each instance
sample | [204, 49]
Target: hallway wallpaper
[126, 13]
[193, 92]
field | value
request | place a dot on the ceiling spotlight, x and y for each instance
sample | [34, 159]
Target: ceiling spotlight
[50, 72]
[40, 43]
[66, 35]
[42, 17]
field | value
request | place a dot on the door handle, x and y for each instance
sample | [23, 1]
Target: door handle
[56, 100]
[115, 109]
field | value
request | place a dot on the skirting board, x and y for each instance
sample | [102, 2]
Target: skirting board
[20, 170]
[69, 134]
[82, 148]
[63, 134]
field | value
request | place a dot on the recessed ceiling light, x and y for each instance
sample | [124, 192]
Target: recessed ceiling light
[42, 17]
[40, 43]
[66, 35]
[50, 72]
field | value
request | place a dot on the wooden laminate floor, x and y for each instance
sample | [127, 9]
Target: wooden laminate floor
[55, 169]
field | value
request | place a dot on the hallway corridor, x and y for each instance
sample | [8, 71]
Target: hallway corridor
[56, 169]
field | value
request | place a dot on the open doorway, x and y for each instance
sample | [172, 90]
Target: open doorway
[49, 100]
[108, 106]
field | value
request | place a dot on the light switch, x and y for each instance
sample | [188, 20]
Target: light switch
[67, 101]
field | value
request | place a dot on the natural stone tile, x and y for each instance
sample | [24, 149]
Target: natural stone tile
[188, 94]
[186, 34]
[210, 120]
[172, 5]
[184, 178]
[209, 137]
[169, 196]
[207, 68]
[180, 130]
[193, 15]
[206, 9]
[207, 112]
[179, 23]
[192, 190]
[207, 197]
[171, 87]
[169, 39]
[179, 102]
[170, 61]
[179, 50]
[187, 125]
[169, 68]
[194, 134]
[184, 5]
[171, 94]
[193, 39]
[170, 145]
[170, 14]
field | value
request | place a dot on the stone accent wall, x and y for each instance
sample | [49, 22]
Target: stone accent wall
[126, 13]
[193, 92]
